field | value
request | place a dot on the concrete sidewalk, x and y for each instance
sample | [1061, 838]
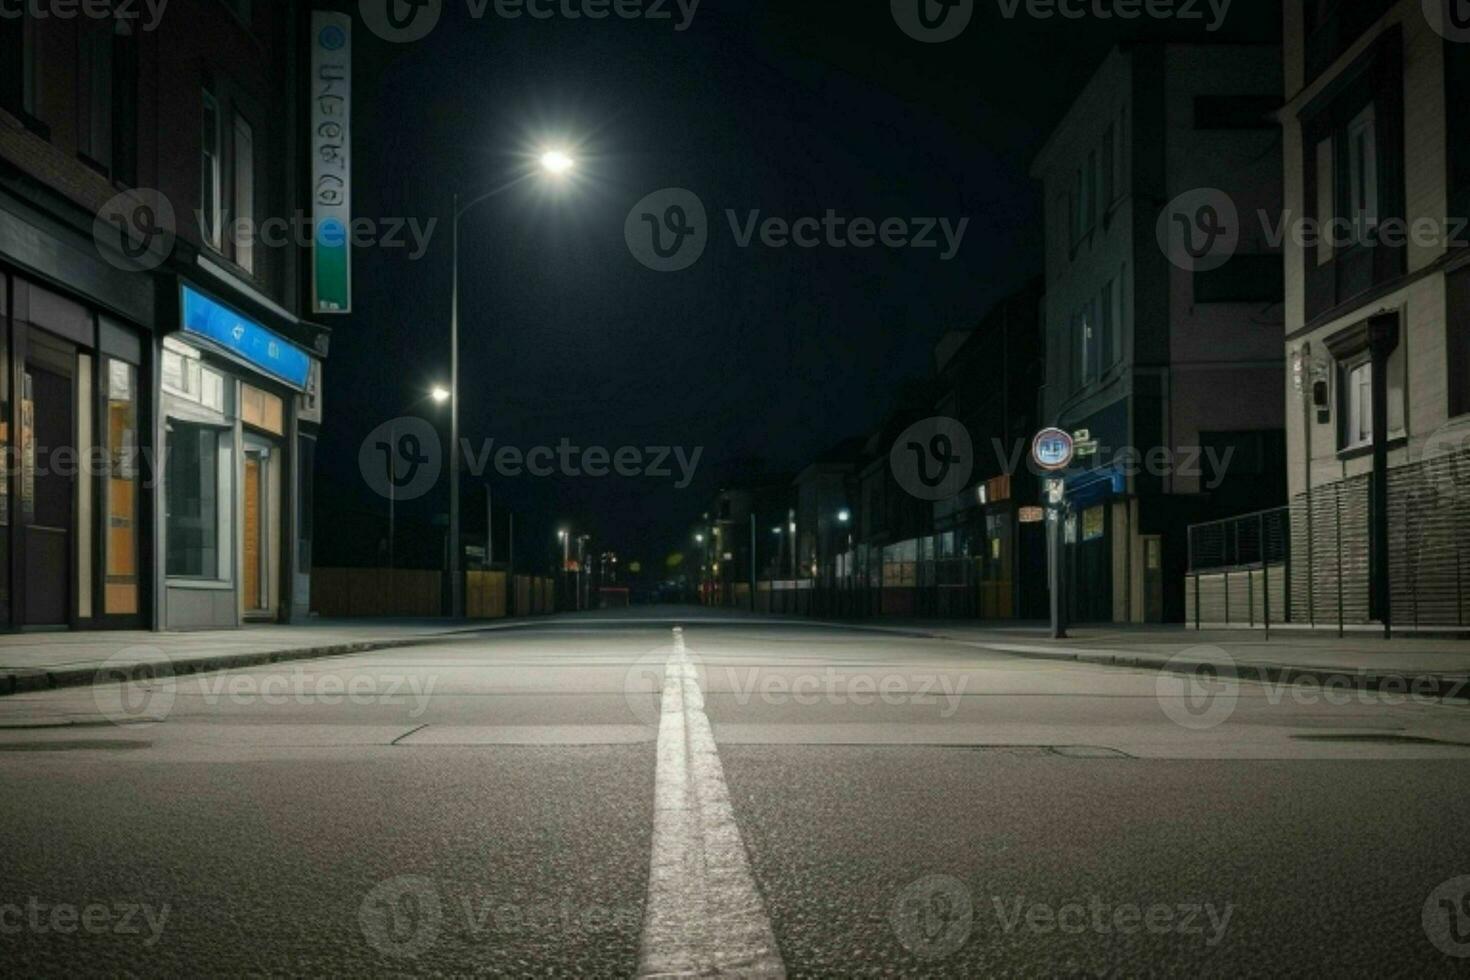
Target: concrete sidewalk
[1441, 666]
[41, 661]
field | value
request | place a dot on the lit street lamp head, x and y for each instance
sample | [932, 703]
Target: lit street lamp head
[440, 395]
[556, 163]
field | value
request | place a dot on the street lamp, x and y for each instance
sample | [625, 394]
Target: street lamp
[440, 394]
[555, 163]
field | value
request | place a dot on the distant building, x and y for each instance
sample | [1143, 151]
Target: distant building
[162, 395]
[1378, 311]
[1146, 359]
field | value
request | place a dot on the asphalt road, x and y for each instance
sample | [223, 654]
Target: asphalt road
[589, 797]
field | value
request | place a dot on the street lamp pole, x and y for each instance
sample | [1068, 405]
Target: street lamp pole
[456, 586]
[554, 162]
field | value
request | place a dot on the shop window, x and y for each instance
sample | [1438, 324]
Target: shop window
[120, 589]
[186, 376]
[1092, 523]
[191, 499]
[262, 410]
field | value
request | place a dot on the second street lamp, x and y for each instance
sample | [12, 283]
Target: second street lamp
[556, 163]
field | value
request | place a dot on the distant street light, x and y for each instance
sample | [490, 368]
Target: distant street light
[844, 515]
[440, 395]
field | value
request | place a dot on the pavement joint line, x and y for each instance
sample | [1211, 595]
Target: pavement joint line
[704, 915]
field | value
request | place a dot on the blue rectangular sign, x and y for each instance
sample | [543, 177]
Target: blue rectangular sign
[254, 344]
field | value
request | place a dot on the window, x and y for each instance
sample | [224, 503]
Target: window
[191, 474]
[1108, 325]
[1358, 394]
[1326, 198]
[19, 57]
[185, 376]
[1457, 329]
[1109, 168]
[244, 216]
[1076, 209]
[1113, 351]
[107, 87]
[121, 540]
[1356, 401]
[1089, 192]
[209, 170]
[1363, 174]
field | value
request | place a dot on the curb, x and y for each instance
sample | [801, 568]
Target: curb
[27, 682]
[1439, 686]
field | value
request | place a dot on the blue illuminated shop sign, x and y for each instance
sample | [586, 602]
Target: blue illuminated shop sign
[247, 340]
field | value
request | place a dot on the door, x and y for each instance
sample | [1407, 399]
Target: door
[254, 529]
[260, 531]
[47, 494]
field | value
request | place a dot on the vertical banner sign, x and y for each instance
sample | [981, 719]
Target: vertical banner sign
[331, 161]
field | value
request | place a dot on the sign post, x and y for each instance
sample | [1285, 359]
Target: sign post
[1053, 451]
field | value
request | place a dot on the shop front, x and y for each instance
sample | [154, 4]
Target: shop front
[232, 391]
[72, 496]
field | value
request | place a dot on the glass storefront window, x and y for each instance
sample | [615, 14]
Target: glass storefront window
[120, 590]
[191, 479]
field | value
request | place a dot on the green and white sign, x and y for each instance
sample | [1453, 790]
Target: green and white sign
[331, 161]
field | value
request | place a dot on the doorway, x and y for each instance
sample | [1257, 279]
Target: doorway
[47, 491]
[260, 527]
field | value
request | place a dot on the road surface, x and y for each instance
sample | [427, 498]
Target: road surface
[681, 794]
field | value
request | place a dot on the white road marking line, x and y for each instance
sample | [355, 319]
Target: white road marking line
[704, 915]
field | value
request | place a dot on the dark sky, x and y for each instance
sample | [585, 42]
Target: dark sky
[791, 107]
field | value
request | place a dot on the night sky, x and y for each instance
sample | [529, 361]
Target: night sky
[763, 357]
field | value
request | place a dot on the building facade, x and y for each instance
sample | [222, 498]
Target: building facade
[160, 387]
[1378, 311]
[1157, 366]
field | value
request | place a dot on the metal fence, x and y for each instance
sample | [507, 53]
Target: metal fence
[1240, 570]
[1310, 564]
